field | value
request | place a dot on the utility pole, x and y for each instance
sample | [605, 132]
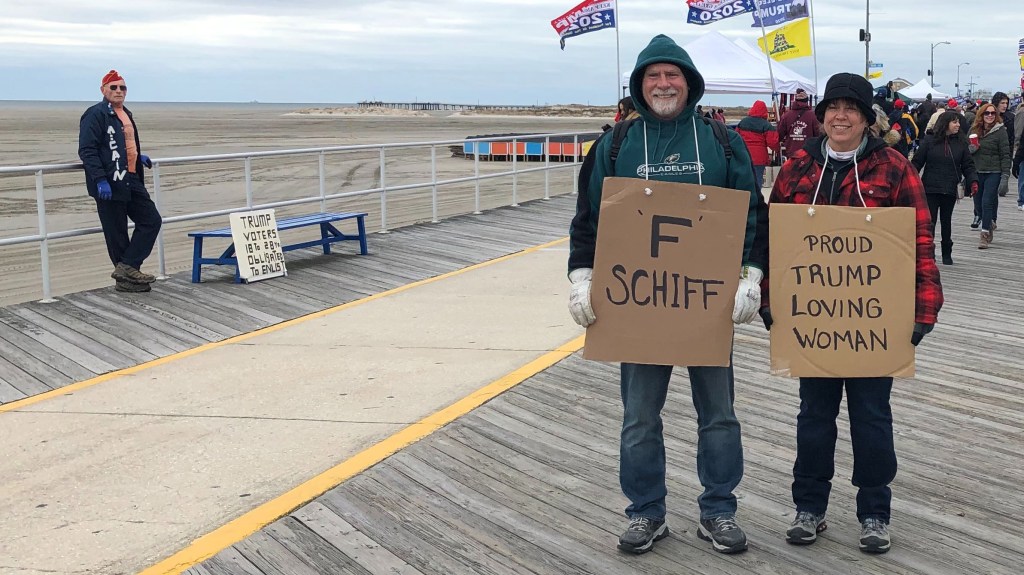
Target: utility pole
[931, 71]
[865, 36]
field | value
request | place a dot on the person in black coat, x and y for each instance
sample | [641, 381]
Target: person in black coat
[946, 161]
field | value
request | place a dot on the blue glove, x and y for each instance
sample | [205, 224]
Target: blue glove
[146, 161]
[920, 330]
[103, 189]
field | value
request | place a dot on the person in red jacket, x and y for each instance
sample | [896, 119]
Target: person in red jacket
[798, 125]
[760, 137]
[850, 167]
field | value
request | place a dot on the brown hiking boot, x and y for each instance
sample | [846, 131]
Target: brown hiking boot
[126, 273]
[131, 287]
[986, 239]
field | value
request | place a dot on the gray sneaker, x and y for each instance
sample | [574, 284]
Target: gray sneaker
[641, 534]
[805, 528]
[126, 273]
[723, 533]
[130, 287]
[874, 536]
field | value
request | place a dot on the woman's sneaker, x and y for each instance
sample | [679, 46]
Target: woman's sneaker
[641, 534]
[723, 533]
[805, 528]
[874, 536]
[976, 223]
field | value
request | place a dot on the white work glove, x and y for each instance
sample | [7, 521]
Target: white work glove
[579, 296]
[748, 295]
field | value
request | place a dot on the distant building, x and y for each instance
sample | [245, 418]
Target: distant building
[899, 84]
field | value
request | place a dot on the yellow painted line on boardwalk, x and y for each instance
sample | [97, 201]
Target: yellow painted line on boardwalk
[67, 389]
[214, 542]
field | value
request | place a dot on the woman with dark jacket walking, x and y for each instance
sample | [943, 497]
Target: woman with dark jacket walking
[991, 156]
[946, 162]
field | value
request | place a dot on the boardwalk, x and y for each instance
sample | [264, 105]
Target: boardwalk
[528, 482]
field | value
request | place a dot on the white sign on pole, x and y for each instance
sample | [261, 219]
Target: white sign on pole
[257, 245]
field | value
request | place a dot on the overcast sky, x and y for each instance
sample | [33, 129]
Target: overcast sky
[461, 51]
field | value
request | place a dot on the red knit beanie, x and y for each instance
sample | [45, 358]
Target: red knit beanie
[112, 76]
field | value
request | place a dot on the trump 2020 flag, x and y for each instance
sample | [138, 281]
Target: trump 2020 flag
[791, 41]
[703, 12]
[775, 12]
[588, 16]
[1020, 54]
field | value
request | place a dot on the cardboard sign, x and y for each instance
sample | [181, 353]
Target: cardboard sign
[666, 270]
[842, 291]
[257, 245]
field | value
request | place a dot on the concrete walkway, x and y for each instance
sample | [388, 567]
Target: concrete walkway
[113, 477]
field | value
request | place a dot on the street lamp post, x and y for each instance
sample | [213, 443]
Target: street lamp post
[931, 71]
[958, 76]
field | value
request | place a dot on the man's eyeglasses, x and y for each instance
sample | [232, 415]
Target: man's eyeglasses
[115, 88]
[988, 113]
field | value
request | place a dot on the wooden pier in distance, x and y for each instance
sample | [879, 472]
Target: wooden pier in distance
[439, 106]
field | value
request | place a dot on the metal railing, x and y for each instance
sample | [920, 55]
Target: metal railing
[43, 236]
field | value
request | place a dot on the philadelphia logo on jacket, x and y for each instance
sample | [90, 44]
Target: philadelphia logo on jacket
[670, 167]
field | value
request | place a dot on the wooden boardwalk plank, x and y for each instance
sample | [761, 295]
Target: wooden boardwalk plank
[346, 538]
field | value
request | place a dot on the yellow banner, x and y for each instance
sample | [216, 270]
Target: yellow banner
[874, 75]
[790, 41]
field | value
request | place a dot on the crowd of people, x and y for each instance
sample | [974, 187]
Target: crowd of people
[963, 148]
[854, 138]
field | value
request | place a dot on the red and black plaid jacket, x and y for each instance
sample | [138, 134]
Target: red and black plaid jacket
[887, 179]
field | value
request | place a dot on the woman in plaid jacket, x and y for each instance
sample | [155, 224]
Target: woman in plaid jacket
[850, 167]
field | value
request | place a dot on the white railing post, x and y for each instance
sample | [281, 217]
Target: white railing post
[515, 176]
[547, 167]
[248, 182]
[323, 183]
[476, 176]
[44, 245]
[383, 196]
[433, 187]
[161, 257]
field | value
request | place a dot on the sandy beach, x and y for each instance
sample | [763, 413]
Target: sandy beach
[47, 133]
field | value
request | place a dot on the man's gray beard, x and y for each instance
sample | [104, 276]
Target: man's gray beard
[668, 109]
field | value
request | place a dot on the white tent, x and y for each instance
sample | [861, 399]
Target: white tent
[730, 68]
[786, 79]
[921, 90]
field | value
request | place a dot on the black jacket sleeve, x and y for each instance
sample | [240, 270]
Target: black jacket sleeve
[90, 138]
[583, 230]
[967, 167]
[921, 155]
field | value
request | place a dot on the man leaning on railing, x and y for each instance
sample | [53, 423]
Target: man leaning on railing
[108, 144]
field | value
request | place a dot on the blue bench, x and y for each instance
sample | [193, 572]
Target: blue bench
[328, 235]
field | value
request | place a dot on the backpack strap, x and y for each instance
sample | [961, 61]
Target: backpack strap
[721, 132]
[618, 135]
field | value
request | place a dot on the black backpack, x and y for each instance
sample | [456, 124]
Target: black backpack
[620, 129]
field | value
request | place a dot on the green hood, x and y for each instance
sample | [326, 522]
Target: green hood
[664, 49]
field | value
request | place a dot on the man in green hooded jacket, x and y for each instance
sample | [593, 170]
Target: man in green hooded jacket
[670, 143]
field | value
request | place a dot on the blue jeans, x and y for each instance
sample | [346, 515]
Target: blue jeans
[759, 176]
[642, 446]
[1020, 185]
[874, 454]
[986, 201]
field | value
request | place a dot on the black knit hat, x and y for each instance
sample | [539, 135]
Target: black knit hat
[851, 87]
